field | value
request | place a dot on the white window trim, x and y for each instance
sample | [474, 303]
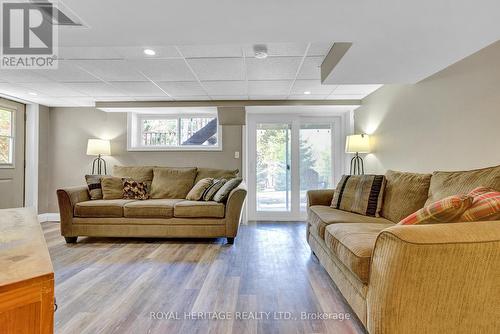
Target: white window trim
[12, 137]
[134, 133]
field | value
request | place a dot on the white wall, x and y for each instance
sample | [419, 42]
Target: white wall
[449, 121]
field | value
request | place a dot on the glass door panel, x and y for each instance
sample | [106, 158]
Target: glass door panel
[315, 158]
[273, 189]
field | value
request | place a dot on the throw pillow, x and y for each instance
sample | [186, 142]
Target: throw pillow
[196, 193]
[209, 194]
[224, 191]
[112, 187]
[94, 185]
[447, 210]
[135, 190]
[361, 194]
[172, 182]
[485, 205]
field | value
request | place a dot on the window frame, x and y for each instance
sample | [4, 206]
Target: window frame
[12, 138]
[135, 132]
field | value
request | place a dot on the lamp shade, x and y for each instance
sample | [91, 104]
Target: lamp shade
[98, 146]
[357, 144]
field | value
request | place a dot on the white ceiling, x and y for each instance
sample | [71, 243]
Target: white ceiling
[180, 73]
[204, 48]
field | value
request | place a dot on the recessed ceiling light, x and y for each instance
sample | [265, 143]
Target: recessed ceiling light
[307, 92]
[33, 93]
[149, 52]
[260, 51]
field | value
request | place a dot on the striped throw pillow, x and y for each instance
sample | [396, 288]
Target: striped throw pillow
[94, 186]
[361, 194]
[447, 210]
[485, 205]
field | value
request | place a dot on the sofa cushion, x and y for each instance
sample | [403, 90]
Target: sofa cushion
[353, 245]
[321, 216]
[172, 182]
[112, 187]
[214, 173]
[361, 194]
[136, 173]
[197, 209]
[151, 208]
[101, 208]
[404, 194]
[444, 184]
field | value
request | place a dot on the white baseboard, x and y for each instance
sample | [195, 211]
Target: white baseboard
[49, 217]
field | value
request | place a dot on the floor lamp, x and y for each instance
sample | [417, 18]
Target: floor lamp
[357, 144]
[98, 147]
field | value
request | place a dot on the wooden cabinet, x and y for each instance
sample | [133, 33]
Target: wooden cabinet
[26, 275]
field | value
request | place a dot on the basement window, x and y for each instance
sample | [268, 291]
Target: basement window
[174, 131]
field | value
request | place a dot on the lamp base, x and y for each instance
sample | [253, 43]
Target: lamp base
[99, 163]
[357, 166]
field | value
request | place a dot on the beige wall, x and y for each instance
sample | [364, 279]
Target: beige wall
[449, 121]
[71, 127]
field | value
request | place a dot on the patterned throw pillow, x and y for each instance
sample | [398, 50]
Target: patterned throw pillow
[447, 210]
[361, 194]
[135, 190]
[209, 194]
[94, 185]
[223, 193]
[485, 205]
[196, 193]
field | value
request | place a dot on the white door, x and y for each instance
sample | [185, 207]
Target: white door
[11, 154]
[288, 155]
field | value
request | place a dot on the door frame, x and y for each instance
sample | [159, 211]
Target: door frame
[339, 131]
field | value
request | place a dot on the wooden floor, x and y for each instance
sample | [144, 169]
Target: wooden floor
[106, 285]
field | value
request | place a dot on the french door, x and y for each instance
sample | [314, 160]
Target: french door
[288, 155]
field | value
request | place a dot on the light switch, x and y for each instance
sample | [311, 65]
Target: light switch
[236, 154]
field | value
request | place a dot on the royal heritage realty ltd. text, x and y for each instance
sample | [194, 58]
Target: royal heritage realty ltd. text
[249, 316]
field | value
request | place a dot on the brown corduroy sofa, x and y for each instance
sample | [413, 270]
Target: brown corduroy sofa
[435, 278]
[165, 217]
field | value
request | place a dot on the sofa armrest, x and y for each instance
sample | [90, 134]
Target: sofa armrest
[435, 278]
[234, 207]
[67, 199]
[320, 197]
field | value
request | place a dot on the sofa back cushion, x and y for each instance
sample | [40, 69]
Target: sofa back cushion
[171, 182]
[404, 194]
[444, 184]
[361, 194]
[214, 173]
[112, 187]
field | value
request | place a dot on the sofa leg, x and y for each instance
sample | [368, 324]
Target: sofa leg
[230, 240]
[70, 240]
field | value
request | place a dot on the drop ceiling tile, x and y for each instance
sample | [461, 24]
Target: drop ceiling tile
[210, 51]
[54, 89]
[138, 88]
[356, 89]
[183, 88]
[313, 86]
[225, 87]
[81, 101]
[87, 52]
[68, 70]
[96, 89]
[15, 90]
[311, 68]
[193, 98]
[345, 96]
[278, 49]
[137, 52]
[307, 97]
[319, 49]
[268, 97]
[272, 68]
[23, 76]
[111, 70]
[113, 98]
[229, 97]
[152, 98]
[278, 87]
[164, 69]
[218, 68]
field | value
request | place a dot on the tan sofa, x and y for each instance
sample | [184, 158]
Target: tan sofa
[438, 278]
[172, 218]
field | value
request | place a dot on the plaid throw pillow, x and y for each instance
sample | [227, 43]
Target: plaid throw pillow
[360, 194]
[135, 190]
[485, 205]
[94, 185]
[447, 210]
